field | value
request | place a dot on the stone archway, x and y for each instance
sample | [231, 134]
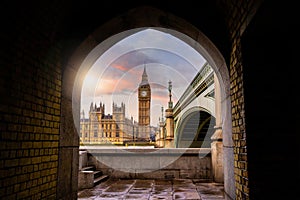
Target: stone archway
[117, 29]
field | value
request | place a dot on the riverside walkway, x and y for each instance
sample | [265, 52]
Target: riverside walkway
[149, 189]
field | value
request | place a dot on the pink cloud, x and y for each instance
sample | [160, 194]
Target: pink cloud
[105, 86]
[114, 86]
[163, 99]
[160, 98]
[119, 67]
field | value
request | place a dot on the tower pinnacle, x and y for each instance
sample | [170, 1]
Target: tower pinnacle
[144, 77]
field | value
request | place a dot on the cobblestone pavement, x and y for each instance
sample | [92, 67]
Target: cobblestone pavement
[146, 189]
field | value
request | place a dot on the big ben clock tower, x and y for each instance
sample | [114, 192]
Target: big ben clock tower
[144, 95]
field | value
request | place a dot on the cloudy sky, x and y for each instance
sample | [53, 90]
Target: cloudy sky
[116, 75]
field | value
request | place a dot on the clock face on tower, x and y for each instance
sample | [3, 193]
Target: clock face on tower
[144, 101]
[143, 93]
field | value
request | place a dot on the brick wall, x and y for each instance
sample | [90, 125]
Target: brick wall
[238, 15]
[30, 85]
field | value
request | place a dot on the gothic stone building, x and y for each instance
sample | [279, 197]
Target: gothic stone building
[100, 128]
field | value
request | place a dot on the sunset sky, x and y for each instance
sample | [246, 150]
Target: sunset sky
[116, 75]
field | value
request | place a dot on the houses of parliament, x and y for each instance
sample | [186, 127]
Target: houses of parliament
[116, 128]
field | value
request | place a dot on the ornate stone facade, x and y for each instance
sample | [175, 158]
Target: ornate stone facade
[115, 128]
[100, 128]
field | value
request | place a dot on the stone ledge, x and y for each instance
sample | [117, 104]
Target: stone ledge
[145, 151]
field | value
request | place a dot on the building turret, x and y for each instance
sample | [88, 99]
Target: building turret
[91, 107]
[118, 115]
[161, 130]
[82, 115]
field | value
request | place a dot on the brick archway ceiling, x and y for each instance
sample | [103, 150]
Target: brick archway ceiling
[89, 19]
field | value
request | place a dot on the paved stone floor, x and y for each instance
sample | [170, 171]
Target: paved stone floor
[142, 189]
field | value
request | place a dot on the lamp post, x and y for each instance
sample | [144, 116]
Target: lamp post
[170, 94]
[133, 131]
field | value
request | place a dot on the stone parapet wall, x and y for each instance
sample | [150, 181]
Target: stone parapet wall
[153, 163]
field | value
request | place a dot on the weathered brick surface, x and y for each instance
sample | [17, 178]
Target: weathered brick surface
[30, 108]
[238, 14]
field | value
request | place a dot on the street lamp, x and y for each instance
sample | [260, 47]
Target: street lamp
[132, 130]
[170, 94]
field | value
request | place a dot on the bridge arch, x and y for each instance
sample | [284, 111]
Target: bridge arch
[195, 128]
[127, 24]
